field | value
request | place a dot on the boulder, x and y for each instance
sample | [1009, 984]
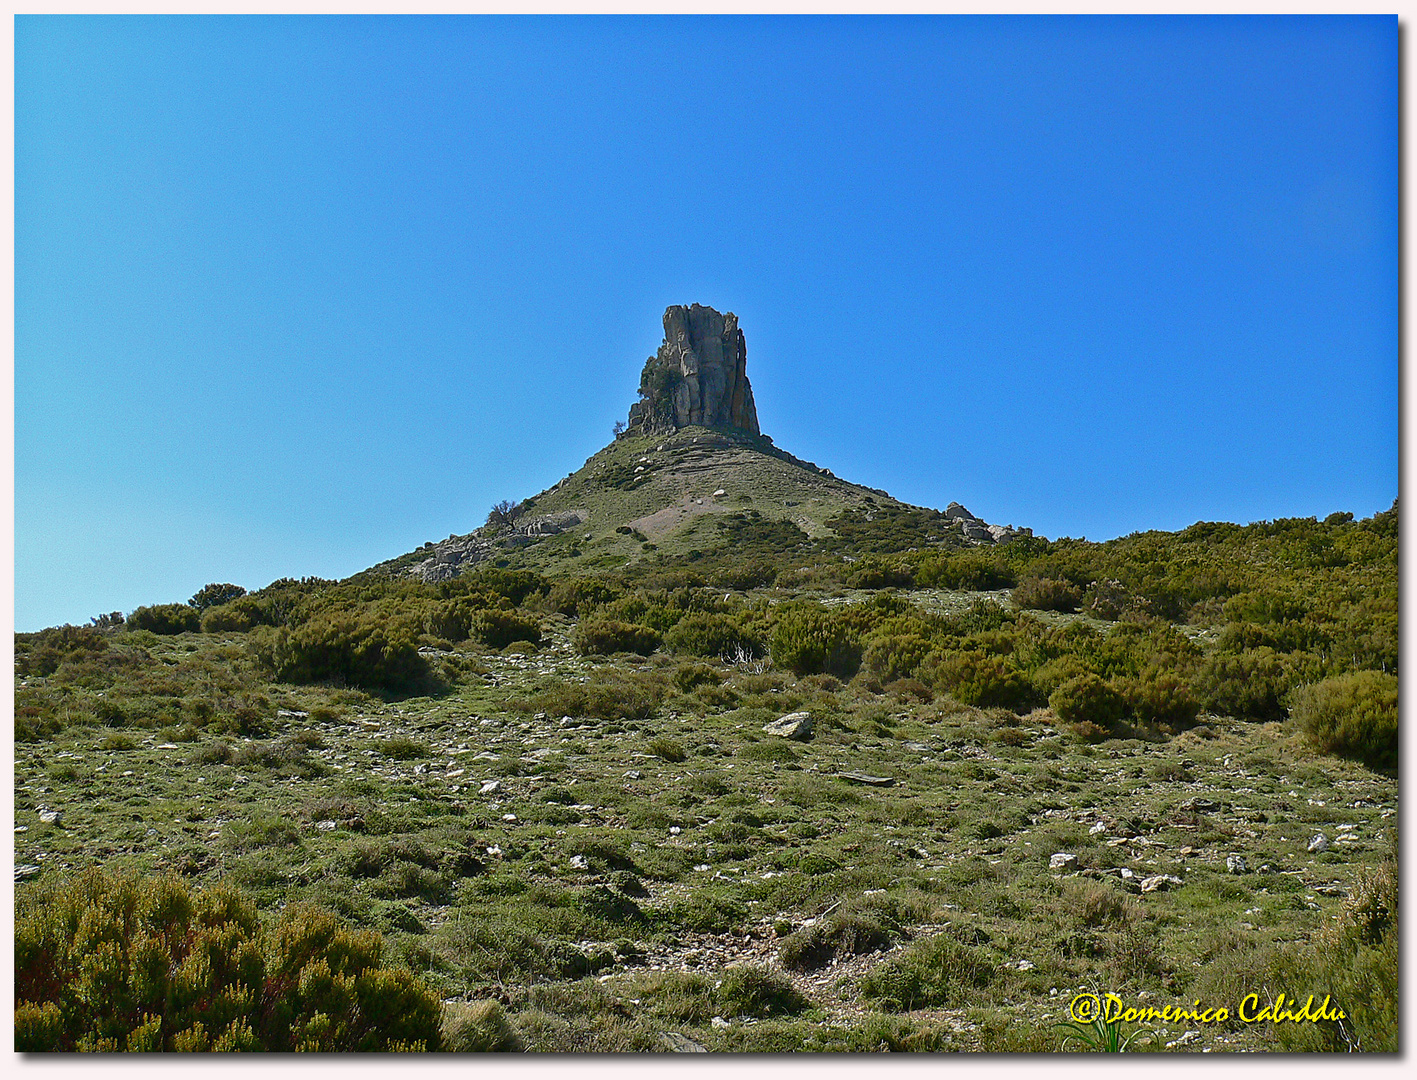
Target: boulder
[797, 725]
[1318, 844]
[1063, 861]
[1235, 864]
[1160, 883]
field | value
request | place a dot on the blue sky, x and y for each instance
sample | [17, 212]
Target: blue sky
[293, 296]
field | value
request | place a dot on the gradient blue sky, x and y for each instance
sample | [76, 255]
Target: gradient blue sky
[295, 295]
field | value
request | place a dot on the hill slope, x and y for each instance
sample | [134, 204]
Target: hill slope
[692, 490]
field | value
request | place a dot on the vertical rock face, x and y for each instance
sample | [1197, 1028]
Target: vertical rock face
[699, 375]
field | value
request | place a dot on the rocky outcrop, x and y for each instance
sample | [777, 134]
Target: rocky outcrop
[458, 554]
[699, 376]
[977, 531]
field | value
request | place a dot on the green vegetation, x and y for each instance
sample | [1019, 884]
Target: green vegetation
[547, 786]
[104, 964]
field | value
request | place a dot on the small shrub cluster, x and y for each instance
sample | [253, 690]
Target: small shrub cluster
[1353, 716]
[114, 964]
[598, 636]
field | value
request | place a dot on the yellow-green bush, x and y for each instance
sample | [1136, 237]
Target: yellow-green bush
[810, 640]
[709, 634]
[362, 650]
[166, 619]
[1086, 698]
[605, 636]
[118, 964]
[1354, 716]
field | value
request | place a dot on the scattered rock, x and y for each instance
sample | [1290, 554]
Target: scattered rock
[1063, 861]
[797, 725]
[1198, 805]
[490, 787]
[52, 817]
[292, 714]
[1235, 864]
[720, 1022]
[1318, 843]
[326, 826]
[719, 493]
[578, 862]
[681, 1044]
[633, 774]
[1185, 1040]
[1097, 829]
[866, 778]
[25, 871]
[1160, 883]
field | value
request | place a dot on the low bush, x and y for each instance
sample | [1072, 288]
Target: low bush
[810, 640]
[839, 934]
[212, 595]
[605, 636]
[709, 634]
[974, 678]
[894, 656]
[1161, 697]
[478, 1027]
[1046, 594]
[342, 648]
[930, 973]
[757, 990]
[1353, 716]
[1086, 698]
[497, 628]
[116, 964]
[166, 619]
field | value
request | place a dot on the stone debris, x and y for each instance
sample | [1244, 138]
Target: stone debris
[797, 725]
[1161, 883]
[681, 1044]
[1062, 861]
[1318, 843]
[25, 871]
[1235, 864]
[866, 778]
[51, 817]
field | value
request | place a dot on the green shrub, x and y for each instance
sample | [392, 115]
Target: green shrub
[212, 595]
[1087, 698]
[596, 636]
[610, 696]
[1046, 594]
[757, 990]
[748, 576]
[708, 634]
[1353, 716]
[976, 679]
[931, 973]
[1252, 684]
[667, 748]
[1160, 697]
[166, 619]
[810, 640]
[497, 628]
[112, 964]
[839, 934]
[876, 574]
[579, 596]
[42, 653]
[894, 656]
[339, 647]
[237, 617]
[970, 572]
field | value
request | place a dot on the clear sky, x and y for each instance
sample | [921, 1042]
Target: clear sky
[293, 296]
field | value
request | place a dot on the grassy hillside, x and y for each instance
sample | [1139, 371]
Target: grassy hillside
[549, 784]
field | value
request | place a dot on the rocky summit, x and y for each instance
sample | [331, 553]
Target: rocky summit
[686, 472]
[698, 376]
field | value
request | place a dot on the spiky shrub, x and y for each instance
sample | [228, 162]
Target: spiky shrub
[1087, 698]
[708, 634]
[107, 963]
[1046, 594]
[1354, 716]
[936, 971]
[497, 628]
[166, 619]
[811, 640]
[975, 678]
[757, 990]
[894, 656]
[356, 650]
[236, 616]
[605, 636]
[216, 593]
[1161, 697]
